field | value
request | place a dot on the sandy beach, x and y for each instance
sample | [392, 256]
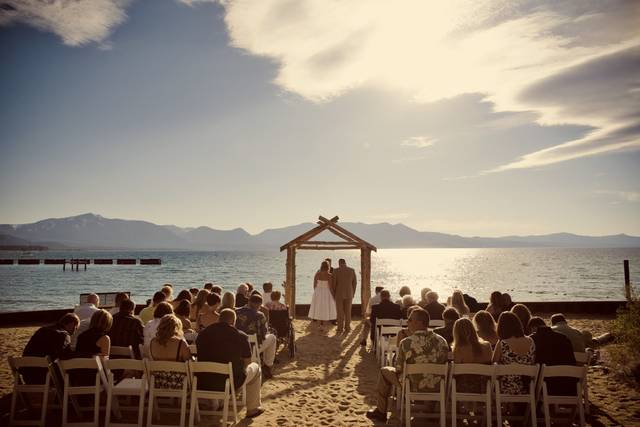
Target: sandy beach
[331, 381]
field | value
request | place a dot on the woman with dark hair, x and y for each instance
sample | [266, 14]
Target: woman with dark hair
[323, 305]
[523, 313]
[495, 304]
[513, 347]
[486, 327]
[183, 295]
[182, 312]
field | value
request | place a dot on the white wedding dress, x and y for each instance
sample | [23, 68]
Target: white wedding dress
[323, 306]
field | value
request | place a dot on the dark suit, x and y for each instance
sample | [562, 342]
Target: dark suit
[553, 348]
[385, 310]
[435, 310]
[53, 341]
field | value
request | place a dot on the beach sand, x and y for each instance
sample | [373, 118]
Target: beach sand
[332, 379]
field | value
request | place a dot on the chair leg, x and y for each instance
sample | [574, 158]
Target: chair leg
[192, 408]
[96, 408]
[407, 411]
[65, 403]
[141, 402]
[498, 411]
[581, 411]
[545, 406]
[45, 402]
[183, 407]
[454, 409]
[14, 401]
[151, 406]
[225, 410]
[488, 410]
[443, 415]
[107, 409]
[534, 418]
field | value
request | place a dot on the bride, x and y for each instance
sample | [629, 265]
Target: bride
[323, 305]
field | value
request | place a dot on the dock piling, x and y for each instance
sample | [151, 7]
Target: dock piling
[627, 281]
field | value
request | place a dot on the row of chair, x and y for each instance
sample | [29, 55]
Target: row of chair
[140, 382]
[491, 392]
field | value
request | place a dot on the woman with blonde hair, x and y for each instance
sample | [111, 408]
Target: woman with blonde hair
[228, 301]
[423, 297]
[199, 304]
[468, 348]
[457, 302]
[169, 345]
[486, 327]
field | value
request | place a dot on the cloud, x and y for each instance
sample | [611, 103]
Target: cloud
[419, 142]
[627, 196]
[76, 22]
[559, 61]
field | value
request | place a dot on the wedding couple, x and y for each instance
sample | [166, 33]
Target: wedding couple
[333, 291]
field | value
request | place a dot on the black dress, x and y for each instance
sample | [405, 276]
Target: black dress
[86, 347]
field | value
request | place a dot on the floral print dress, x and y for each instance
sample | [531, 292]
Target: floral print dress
[515, 384]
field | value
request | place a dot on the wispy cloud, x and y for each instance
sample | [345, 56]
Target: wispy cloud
[627, 196]
[418, 141]
[564, 62]
[76, 22]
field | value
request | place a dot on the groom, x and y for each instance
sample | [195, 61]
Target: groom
[345, 280]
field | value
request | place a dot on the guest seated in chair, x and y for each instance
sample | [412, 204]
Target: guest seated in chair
[275, 304]
[126, 329]
[450, 315]
[422, 346]
[221, 342]
[385, 310]
[250, 320]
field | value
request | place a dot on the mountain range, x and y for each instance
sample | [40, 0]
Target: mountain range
[91, 231]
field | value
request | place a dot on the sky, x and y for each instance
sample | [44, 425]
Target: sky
[478, 118]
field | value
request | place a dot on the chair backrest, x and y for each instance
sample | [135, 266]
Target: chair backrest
[426, 368]
[80, 363]
[563, 371]
[28, 362]
[166, 366]
[128, 364]
[517, 369]
[388, 322]
[472, 369]
[119, 351]
[390, 330]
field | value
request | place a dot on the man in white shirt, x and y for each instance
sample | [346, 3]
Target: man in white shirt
[86, 310]
[151, 328]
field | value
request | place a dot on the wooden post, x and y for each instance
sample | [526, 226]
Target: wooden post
[365, 279]
[627, 280]
[290, 290]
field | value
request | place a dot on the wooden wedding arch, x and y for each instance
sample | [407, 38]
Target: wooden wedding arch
[348, 241]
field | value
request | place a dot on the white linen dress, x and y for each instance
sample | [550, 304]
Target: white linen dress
[323, 306]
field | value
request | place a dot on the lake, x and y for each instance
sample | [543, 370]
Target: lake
[528, 274]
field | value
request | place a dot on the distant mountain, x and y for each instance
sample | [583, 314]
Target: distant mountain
[94, 231]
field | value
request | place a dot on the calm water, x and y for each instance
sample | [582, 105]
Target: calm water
[531, 274]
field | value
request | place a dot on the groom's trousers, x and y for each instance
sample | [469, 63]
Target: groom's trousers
[343, 311]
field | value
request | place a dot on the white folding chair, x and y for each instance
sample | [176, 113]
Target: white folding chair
[577, 372]
[435, 396]
[119, 351]
[20, 387]
[483, 396]
[70, 391]
[229, 393]
[582, 359]
[387, 335]
[436, 323]
[529, 371]
[379, 324]
[155, 367]
[129, 386]
[255, 348]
